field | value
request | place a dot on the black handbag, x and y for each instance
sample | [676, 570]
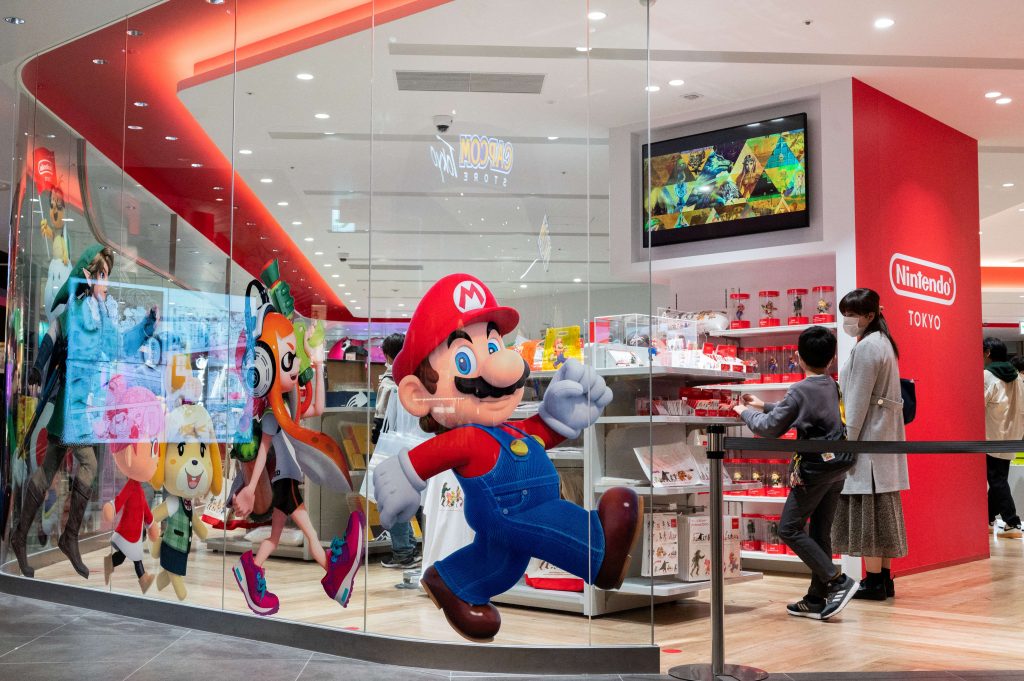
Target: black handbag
[908, 391]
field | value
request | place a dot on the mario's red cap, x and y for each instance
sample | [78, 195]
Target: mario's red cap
[455, 301]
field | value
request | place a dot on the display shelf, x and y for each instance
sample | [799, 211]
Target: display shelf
[659, 372]
[666, 419]
[521, 594]
[768, 330]
[602, 487]
[565, 456]
[757, 500]
[241, 545]
[668, 586]
[778, 557]
[748, 387]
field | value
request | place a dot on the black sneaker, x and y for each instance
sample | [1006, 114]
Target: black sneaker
[403, 563]
[803, 608]
[840, 591]
[873, 588]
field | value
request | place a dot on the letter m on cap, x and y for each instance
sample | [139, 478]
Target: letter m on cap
[469, 295]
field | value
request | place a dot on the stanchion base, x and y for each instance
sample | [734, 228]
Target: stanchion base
[702, 672]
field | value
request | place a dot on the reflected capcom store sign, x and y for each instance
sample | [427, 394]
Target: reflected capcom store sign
[480, 160]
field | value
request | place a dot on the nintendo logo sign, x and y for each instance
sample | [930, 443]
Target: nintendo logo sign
[921, 279]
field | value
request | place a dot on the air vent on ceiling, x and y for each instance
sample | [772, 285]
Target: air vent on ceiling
[464, 81]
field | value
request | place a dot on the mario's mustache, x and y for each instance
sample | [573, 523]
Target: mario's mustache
[481, 389]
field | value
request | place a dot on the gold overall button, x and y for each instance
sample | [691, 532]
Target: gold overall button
[519, 447]
[539, 440]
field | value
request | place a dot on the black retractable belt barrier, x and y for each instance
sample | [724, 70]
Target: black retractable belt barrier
[718, 444]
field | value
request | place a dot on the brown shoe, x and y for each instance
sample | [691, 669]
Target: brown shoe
[108, 568]
[620, 511]
[477, 623]
[146, 581]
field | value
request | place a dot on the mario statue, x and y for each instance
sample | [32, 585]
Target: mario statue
[455, 374]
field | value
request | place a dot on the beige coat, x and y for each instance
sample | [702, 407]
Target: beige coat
[870, 382]
[1004, 411]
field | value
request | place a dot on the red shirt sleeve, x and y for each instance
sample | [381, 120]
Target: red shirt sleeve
[121, 498]
[469, 451]
[147, 513]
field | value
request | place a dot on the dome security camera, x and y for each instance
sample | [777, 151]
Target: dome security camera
[442, 122]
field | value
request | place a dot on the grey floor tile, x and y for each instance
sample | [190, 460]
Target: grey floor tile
[89, 648]
[1001, 675]
[873, 676]
[20, 622]
[166, 669]
[108, 670]
[99, 623]
[200, 645]
[321, 670]
[9, 643]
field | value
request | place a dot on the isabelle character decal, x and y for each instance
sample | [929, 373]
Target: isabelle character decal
[272, 371]
[188, 468]
[456, 375]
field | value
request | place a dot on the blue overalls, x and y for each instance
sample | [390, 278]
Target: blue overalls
[517, 514]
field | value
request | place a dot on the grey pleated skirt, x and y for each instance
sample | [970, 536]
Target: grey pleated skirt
[870, 525]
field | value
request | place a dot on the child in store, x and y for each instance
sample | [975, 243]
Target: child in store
[814, 407]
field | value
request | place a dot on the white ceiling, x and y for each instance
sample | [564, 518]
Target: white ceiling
[938, 57]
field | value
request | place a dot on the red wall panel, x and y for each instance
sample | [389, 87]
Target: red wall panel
[916, 184]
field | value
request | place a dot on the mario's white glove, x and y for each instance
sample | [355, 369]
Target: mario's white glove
[397, 487]
[576, 397]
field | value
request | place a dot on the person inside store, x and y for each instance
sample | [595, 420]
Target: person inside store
[812, 406]
[1004, 420]
[869, 518]
[403, 546]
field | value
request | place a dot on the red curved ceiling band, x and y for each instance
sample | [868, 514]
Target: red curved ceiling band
[184, 43]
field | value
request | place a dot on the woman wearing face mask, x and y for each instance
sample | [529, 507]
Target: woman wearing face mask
[869, 519]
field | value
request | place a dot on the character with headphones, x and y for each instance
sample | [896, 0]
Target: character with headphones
[271, 370]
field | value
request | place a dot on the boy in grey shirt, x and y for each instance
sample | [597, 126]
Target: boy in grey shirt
[812, 406]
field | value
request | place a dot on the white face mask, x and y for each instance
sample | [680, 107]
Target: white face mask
[851, 325]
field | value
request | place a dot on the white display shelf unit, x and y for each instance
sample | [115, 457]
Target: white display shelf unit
[755, 500]
[774, 557]
[748, 387]
[769, 330]
[608, 448]
[663, 589]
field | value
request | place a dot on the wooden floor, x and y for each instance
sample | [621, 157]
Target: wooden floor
[963, 617]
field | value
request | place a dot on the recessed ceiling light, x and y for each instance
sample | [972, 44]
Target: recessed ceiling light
[577, 280]
[219, 198]
[99, 62]
[653, 88]
[135, 127]
[318, 252]
[304, 76]
[296, 223]
[308, 238]
[597, 15]
[134, 32]
[245, 152]
[217, 189]
[406, 314]
[552, 137]
[522, 286]
[322, 116]
[266, 180]
[583, 49]
[141, 105]
[884, 22]
[1007, 185]
[16, 21]
[677, 82]
[330, 133]
[401, 305]
[354, 301]
[341, 285]
[197, 165]
[215, 2]
[69, 219]
[170, 138]
[1020, 210]
[347, 293]
[359, 308]
[1003, 100]
[335, 276]
[993, 94]
[282, 203]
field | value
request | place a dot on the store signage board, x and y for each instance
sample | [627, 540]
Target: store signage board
[922, 279]
[480, 160]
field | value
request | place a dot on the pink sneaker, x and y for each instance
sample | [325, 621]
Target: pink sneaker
[253, 583]
[344, 560]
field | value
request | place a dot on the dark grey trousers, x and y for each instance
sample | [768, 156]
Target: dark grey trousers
[815, 502]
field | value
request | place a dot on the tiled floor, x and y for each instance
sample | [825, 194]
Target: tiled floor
[51, 642]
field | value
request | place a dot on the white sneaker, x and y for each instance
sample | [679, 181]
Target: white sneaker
[1010, 532]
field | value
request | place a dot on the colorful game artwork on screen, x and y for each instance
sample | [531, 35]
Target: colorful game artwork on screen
[741, 180]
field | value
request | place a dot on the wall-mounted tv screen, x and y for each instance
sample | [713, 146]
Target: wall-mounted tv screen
[743, 180]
